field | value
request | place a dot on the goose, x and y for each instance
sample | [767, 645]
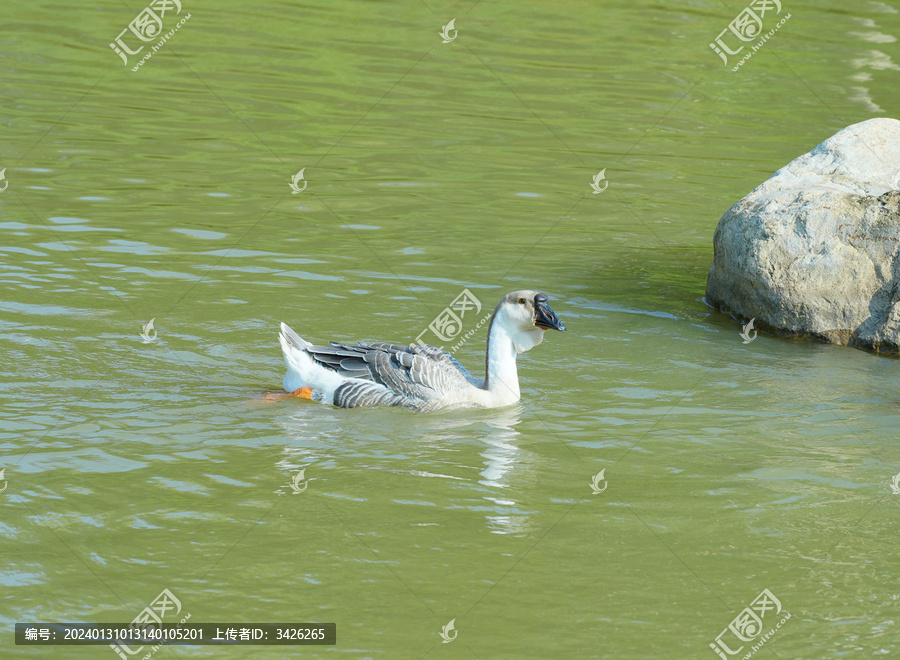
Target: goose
[419, 377]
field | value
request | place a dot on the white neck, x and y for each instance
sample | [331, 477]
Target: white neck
[501, 378]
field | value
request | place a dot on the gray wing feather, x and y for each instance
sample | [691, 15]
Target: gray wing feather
[403, 372]
[438, 355]
[354, 394]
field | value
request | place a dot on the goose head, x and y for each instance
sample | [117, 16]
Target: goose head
[523, 316]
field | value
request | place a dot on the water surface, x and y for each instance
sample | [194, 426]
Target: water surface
[164, 194]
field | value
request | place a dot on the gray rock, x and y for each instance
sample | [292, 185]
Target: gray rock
[815, 250]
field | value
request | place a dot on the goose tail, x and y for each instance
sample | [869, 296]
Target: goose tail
[302, 371]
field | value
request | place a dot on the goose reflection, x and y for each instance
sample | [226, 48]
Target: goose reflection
[502, 456]
[479, 450]
[505, 467]
[501, 451]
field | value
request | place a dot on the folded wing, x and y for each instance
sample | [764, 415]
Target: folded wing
[410, 372]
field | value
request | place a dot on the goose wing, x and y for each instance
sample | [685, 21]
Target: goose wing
[442, 356]
[416, 372]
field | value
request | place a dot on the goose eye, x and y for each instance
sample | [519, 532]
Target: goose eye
[521, 301]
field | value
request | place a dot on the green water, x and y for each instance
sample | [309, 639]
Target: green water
[164, 194]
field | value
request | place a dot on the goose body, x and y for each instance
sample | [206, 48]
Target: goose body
[423, 378]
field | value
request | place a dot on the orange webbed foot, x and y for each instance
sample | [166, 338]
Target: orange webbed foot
[302, 393]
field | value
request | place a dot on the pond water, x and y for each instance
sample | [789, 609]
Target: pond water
[137, 464]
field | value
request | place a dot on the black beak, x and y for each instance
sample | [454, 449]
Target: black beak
[544, 317]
